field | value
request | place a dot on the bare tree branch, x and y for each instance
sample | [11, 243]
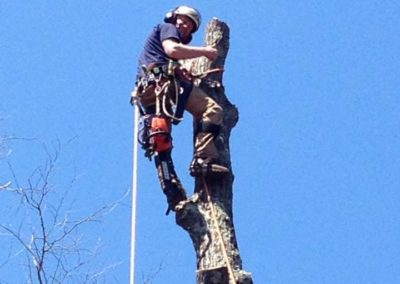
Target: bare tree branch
[149, 278]
[50, 237]
[5, 186]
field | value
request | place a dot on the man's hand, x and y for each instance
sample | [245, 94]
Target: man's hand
[210, 52]
[181, 51]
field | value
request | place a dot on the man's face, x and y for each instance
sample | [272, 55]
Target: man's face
[185, 25]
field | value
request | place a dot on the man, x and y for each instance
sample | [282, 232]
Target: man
[158, 73]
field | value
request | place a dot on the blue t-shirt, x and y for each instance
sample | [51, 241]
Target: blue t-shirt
[153, 51]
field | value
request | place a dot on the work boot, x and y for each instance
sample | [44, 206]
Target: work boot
[207, 167]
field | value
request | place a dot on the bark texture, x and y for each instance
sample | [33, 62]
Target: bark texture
[207, 216]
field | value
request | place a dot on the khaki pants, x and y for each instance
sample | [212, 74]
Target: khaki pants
[204, 109]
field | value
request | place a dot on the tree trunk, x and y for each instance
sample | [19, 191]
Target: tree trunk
[208, 217]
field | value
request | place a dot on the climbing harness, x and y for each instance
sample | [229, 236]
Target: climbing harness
[161, 95]
[159, 91]
[165, 89]
[158, 96]
[232, 279]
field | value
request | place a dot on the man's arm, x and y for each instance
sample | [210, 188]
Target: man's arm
[180, 51]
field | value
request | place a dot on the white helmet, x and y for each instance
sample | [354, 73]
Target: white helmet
[190, 12]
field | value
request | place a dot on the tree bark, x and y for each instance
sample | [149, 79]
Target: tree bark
[207, 216]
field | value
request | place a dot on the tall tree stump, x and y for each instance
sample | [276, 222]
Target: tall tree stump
[207, 216]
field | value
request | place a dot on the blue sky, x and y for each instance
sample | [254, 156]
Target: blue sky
[315, 153]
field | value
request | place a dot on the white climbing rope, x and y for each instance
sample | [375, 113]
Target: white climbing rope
[134, 194]
[232, 279]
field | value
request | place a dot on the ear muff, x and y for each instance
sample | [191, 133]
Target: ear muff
[170, 16]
